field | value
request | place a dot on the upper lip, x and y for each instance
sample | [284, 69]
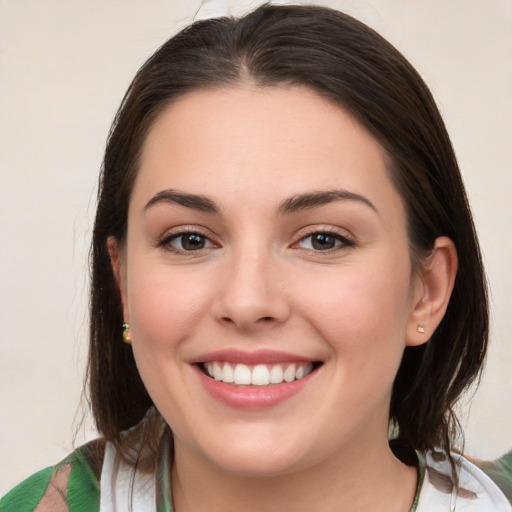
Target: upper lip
[251, 357]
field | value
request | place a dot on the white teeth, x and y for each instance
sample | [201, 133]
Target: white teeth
[276, 375]
[289, 373]
[259, 375]
[228, 374]
[242, 374]
[217, 371]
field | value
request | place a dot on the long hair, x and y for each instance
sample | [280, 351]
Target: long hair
[348, 63]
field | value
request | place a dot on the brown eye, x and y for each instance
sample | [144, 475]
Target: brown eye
[322, 242]
[187, 242]
[325, 242]
[192, 242]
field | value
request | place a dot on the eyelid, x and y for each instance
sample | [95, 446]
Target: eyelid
[165, 240]
[342, 236]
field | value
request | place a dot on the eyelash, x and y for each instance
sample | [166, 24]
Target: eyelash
[340, 241]
[166, 241]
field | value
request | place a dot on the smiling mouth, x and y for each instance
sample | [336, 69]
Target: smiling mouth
[257, 375]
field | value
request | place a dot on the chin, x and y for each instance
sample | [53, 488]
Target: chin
[258, 464]
[258, 457]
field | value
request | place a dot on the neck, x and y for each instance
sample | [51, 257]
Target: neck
[355, 481]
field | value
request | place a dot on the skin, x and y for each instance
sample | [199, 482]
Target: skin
[259, 283]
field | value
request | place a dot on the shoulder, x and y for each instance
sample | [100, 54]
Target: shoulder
[476, 493]
[71, 485]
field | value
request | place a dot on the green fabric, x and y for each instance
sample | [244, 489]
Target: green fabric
[421, 476]
[163, 480]
[501, 472]
[83, 488]
[25, 496]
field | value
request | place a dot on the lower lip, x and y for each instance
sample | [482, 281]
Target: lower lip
[252, 397]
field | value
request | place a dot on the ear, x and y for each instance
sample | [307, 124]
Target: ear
[433, 289]
[117, 260]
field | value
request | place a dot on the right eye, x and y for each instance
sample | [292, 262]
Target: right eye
[187, 242]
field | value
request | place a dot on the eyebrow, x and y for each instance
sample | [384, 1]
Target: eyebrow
[194, 201]
[309, 200]
[294, 204]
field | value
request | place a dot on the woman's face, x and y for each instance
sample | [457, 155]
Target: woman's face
[267, 246]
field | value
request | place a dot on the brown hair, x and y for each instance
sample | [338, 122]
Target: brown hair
[345, 61]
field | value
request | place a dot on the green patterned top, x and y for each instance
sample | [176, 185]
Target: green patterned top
[74, 485]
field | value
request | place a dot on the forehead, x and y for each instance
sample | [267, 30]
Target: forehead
[248, 141]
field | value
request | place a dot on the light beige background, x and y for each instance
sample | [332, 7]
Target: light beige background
[64, 68]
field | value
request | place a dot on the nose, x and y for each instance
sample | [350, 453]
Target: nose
[251, 293]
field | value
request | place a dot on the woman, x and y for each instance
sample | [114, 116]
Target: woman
[284, 244]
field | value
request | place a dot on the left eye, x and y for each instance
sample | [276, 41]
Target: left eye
[189, 242]
[322, 242]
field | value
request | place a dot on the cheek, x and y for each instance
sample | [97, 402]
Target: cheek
[165, 306]
[362, 313]
[165, 311]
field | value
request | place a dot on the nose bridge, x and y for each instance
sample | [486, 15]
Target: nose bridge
[251, 292]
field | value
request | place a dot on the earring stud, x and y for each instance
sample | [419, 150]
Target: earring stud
[421, 329]
[127, 337]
